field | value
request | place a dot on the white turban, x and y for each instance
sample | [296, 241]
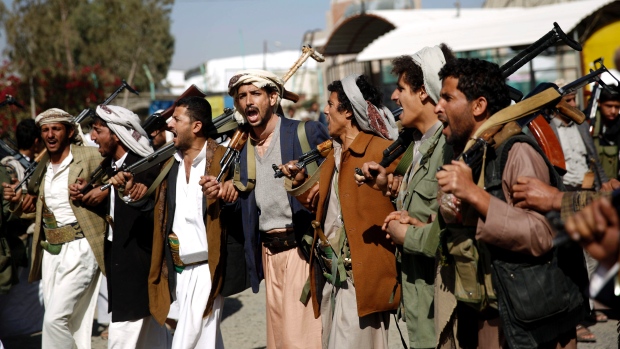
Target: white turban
[53, 116]
[260, 79]
[126, 126]
[368, 116]
[430, 60]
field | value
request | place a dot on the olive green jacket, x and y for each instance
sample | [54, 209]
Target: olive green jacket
[418, 252]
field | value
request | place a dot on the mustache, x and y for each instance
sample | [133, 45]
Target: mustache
[249, 109]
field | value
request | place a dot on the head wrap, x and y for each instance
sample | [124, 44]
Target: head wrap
[126, 126]
[53, 116]
[260, 79]
[430, 60]
[368, 116]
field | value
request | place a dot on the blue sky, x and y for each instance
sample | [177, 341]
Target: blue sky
[206, 29]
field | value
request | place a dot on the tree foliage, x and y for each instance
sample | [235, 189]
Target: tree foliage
[58, 43]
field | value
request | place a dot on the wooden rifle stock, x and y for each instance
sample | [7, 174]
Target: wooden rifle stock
[238, 140]
[548, 142]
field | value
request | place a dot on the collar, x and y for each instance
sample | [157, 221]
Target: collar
[559, 123]
[178, 156]
[118, 163]
[431, 131]
[360, 143]
[65, 162]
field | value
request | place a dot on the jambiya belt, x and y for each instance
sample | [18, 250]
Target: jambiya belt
[56, 236]
[179, 266]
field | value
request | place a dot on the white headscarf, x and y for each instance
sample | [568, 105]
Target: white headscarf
[430, 60]
[126, 126]
[368, 116]
[258, 78]
[52, 116]
[56, 115]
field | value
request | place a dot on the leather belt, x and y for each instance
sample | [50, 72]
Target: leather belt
[278, 242]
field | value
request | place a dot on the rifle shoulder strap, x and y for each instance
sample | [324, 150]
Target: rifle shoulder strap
[405, 161]
[251, 171]
[305, 147]
[162, 174]
[37, 177]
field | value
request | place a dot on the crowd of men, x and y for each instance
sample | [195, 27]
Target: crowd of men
[460, 249]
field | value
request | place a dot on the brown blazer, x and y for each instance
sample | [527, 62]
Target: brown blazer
[363, 211]
[85, 160]
[159, 290]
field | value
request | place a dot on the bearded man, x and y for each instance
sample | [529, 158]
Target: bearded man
[129, 240]
[68, 234]
[273, 221]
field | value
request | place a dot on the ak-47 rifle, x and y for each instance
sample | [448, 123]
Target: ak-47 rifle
[89, 112]
[315, 154]
[233, 153]
[154, 159]
[538, 125]
[78, 119]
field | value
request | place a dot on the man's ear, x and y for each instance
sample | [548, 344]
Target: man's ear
[71, 132]
[197, 127]
[422, 93]
[479, 107]
[273, 98]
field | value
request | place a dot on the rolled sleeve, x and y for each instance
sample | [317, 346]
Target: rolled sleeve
[513, 228]
[419, 241]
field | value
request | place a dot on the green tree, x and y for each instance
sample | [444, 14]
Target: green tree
[56, 40]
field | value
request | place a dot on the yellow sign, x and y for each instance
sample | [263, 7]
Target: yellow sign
[217, 105]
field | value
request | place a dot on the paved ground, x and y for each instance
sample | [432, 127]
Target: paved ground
[243, 327]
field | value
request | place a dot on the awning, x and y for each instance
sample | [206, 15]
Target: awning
[354, 33]
[492, 28]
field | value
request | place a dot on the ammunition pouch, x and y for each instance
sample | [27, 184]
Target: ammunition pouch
[472, 263]
[608, 155]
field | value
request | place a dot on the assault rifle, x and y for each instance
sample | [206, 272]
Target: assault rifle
[154, 159]
[315, 154]
[232, 152]
[78, 119]
[89, 112]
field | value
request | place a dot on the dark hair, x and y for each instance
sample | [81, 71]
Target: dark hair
[607, 95]
[98, 120]
[414, 77]
[26, 133]
[369, 92]
[479, 78]
[199, 109]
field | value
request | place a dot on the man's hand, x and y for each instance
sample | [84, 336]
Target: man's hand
[228, 192]
[29, 203]
[612, 185]
[10, 193]
[295, 174]
[389, 184]
[210, 186]
[597, 229]
[76, 188]
[126, 186]
[396, 225]
[456, 179]
[93, 198]
[534, 194]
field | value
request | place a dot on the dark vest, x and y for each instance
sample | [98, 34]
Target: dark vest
[539, 298]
